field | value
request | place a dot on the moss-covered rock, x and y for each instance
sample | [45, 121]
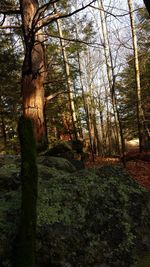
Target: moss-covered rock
[9, 159]
[57, 163]
[9, 177]
[89, 218]
[61, 149]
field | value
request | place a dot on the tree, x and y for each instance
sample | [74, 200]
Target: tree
[127, 84]
[26, 241]
[10, 107]
[34, 18]
[140, 113]
[147, 4]
[68, 78]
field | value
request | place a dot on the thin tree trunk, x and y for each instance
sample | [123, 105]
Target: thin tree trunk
[4, 131]
[85, 102]
[86, 109]
[103, 137]
[96, 135]
[111, 79]
[137, 78]
[33, 72]
[69, 83]
[3, 123]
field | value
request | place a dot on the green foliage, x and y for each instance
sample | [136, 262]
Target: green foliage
[10, 66]
[57, 163]
[90, 218]
[96, 216]
[127, 87]
[9, 222]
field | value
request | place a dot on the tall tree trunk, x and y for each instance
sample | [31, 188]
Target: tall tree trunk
[103, 136]
[26, 242]
[96, 134]
[33, 72]
[137, 79]
[4, 134]
[85, 108]
[69, 83]
[111, 79]
[4, 131]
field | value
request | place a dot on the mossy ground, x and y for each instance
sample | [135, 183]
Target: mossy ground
[87, 218]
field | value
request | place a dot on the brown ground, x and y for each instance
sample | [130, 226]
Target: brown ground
[136, 165]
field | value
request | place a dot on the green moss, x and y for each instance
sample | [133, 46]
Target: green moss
[61, 149]
[144, 261]
[88, 218]
[9, 177]
[57, 162]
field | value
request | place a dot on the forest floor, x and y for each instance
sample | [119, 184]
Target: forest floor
[136, 165]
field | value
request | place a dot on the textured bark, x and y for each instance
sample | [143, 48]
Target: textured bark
[33, 71]
[25, 245]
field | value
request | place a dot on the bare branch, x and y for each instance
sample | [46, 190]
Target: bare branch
[10, 27]
[50, 97]
[48, 19]
[41, 11]
[96, 45]
[117, 15]
[3, 20]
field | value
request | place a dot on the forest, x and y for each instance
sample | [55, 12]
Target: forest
[74, 133]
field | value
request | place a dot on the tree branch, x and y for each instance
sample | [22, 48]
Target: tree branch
[50, 97]
[10, 12]
[10, 27]
[76, 40]
[49, 18]
[3, 20]
[115, 16]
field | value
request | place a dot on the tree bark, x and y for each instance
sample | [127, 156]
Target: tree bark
[111, 80]
[4, 131]
[85, 108]
[33, 72]
[140, 113]
[26, 241]
[69, 83]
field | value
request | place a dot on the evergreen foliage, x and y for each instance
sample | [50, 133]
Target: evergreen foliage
[127, 86]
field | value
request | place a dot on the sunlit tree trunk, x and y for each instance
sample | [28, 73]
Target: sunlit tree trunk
[85, 107]
[111, 80]
[137, 79]
[68, 78]
[103, 134]
[33, 72]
